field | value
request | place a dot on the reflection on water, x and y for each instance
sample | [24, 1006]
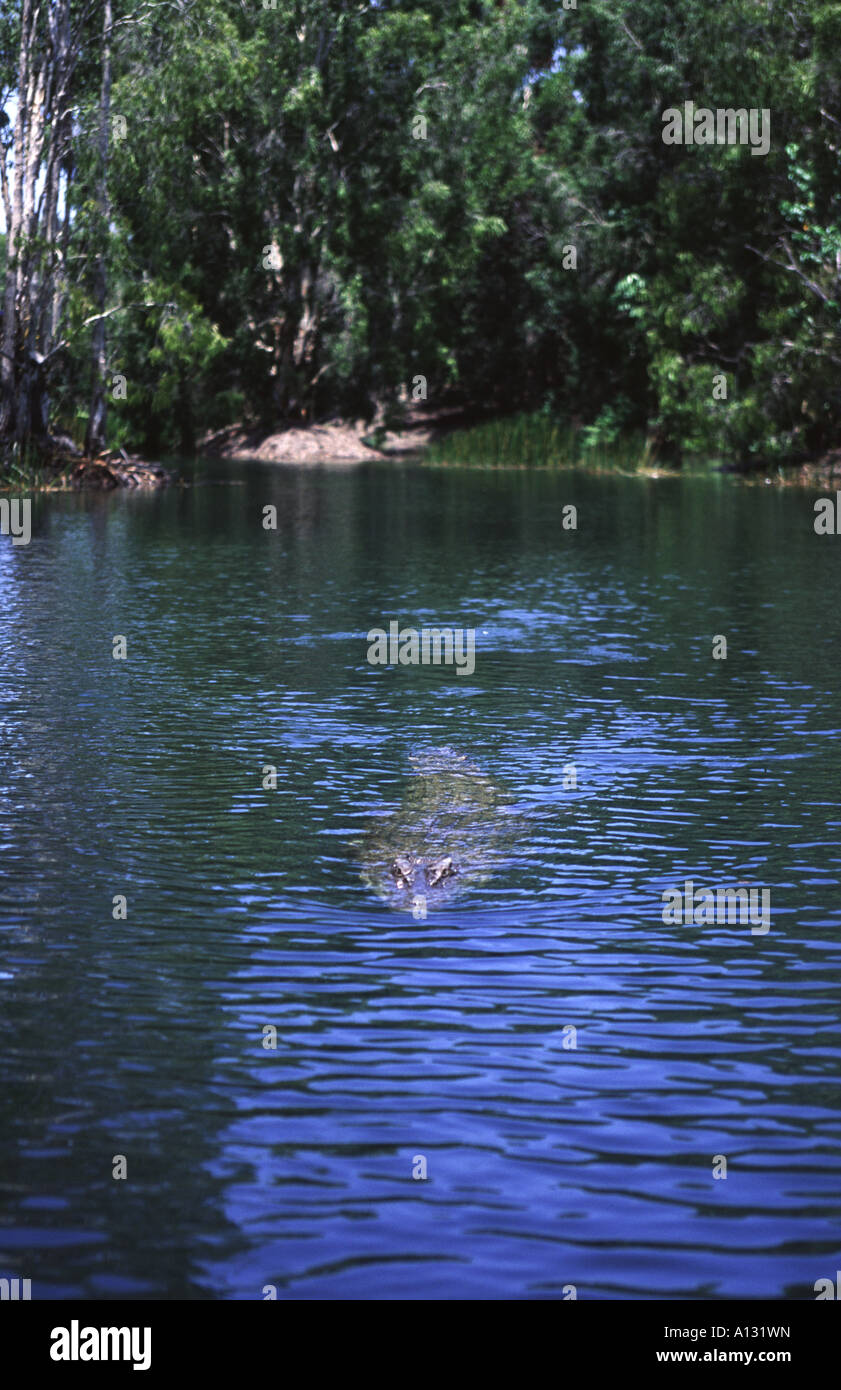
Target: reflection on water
[568, 1064]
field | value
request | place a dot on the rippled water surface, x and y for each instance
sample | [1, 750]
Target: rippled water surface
[549, 1164]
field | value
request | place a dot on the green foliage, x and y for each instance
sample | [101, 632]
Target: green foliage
[335, 197]
[541, 440]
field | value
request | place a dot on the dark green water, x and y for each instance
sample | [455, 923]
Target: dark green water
[548, 1165]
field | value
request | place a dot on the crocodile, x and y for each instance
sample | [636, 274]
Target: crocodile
[449, 833]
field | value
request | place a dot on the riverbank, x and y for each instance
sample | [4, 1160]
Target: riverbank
[456, 438]
[334, 440]
[446, 438]
[538, 440]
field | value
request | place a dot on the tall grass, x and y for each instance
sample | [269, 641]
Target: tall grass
[26, 470]
[529, 441]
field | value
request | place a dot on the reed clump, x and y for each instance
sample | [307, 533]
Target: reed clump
[539, 441]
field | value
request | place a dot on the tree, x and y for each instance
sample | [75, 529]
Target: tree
[48, 42]
[95, 437]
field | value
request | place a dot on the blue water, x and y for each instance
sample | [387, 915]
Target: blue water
[554, 1158]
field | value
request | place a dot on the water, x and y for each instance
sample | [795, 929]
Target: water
[548, 1165]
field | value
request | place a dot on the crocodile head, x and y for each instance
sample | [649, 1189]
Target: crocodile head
[449, 833]
[415, 877]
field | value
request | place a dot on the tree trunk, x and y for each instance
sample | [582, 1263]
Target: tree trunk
[95, 438]
[8, 346]
[35, 260]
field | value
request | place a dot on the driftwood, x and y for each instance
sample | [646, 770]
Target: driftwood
[64, 467]
[116, 469]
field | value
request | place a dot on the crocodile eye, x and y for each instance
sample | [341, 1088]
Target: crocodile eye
[440, 869]
[402, 870]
